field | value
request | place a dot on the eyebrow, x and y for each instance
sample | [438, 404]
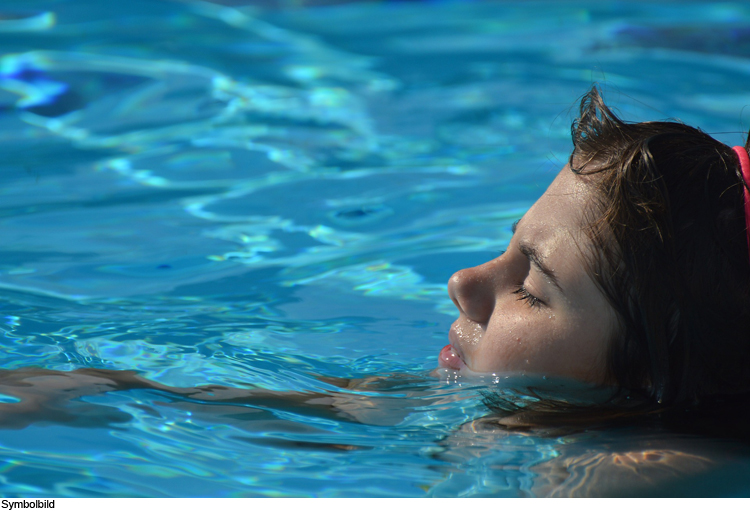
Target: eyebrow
[536, 259]
[533, 254]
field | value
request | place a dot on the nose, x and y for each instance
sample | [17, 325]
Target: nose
[473, 292]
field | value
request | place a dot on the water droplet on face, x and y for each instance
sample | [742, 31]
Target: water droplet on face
[472, 336]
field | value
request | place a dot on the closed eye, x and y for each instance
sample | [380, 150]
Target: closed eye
[525, 295]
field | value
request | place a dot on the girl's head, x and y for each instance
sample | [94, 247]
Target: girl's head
[631, 270]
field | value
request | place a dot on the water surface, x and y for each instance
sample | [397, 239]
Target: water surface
[264, 194]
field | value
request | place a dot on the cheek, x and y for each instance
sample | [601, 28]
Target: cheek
[511, 339]
[540, 343]
[576, 350]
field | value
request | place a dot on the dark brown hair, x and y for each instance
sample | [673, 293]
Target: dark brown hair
[671, 253]
[671, 256]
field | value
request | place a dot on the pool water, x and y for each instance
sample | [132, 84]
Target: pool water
[270, 194]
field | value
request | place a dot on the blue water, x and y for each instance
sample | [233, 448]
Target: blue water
[262, 194]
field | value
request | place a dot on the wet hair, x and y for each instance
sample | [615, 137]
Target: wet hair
[671, 253]
[671, 256]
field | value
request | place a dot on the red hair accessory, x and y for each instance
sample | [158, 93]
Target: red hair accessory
[745, 169]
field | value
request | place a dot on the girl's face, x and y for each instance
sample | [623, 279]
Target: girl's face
[535, 309]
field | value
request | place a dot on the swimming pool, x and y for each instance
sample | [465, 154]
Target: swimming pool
[255, 195]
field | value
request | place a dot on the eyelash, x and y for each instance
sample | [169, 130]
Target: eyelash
[525, 295]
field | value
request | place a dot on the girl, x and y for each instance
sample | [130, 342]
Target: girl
[630, 272]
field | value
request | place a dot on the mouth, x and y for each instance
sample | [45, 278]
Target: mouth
[450, 359]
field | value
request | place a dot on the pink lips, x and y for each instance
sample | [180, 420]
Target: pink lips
[449, 359]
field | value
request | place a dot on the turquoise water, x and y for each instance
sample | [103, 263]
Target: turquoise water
[263, 194]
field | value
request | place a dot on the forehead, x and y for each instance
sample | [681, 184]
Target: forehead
[562, 209]
[556, 225]
[564, 204]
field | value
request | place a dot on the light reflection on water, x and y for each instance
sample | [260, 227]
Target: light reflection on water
[257, 197]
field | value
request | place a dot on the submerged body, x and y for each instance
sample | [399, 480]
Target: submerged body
[629, 461]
